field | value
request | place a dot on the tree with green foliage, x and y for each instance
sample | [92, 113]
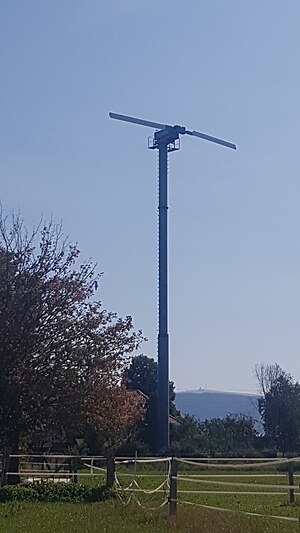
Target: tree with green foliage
[280, 411]
[229, 436]
[142, 375]
[186, 437]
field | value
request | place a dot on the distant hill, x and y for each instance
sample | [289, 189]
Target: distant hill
[206, 404]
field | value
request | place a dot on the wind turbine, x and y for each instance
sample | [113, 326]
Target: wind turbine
[165, 140]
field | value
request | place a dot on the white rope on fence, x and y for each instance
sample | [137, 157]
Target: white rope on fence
[51, 473]
[130, 474]
[235, 484]
[276, 492]
[165, 502]
[153, 491]
[223, 492]
[234, 511]
[134, 487]
[39, 473]
[50, 456]
[145, 491]
[133, 497]
[139, 488]
[238, 493]
[156, 460]
[91, 457]
[126, 489]
[94, 468]
[44, 463]
[246, 475]
[239, 466]
[121, 500]
[248, 459]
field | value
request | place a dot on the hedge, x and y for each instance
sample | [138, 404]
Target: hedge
[54, 492]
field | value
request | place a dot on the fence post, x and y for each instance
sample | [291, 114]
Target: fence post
[5, 465]
[74, 466]
[13, 466]
[135, 464]
[173, 487]
[291, 481]
[110, 470]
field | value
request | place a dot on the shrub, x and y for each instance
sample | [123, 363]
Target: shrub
[11, 493]
[54, 492]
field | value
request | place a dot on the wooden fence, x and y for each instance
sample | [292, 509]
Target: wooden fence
[176, 484]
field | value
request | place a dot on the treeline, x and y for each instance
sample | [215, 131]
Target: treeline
[233, 435]
[278, 407]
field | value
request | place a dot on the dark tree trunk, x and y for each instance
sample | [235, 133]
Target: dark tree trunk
[13, 479]
[110, 470]
[5, 465]
[13, 464]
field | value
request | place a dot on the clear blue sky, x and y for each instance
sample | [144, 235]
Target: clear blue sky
[225, 67]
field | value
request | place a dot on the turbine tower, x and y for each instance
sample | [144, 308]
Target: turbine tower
[166, 139]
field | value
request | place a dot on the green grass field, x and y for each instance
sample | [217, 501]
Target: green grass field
[113, 516]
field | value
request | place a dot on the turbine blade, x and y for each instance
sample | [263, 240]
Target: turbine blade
[211, 139]
[139, 121]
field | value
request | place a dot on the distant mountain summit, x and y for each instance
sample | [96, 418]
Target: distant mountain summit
[207, 404]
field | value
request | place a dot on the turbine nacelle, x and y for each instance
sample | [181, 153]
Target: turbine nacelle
[168, 135]
[171, 132]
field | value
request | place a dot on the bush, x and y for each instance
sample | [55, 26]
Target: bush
[12, 493]
[54, 492]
